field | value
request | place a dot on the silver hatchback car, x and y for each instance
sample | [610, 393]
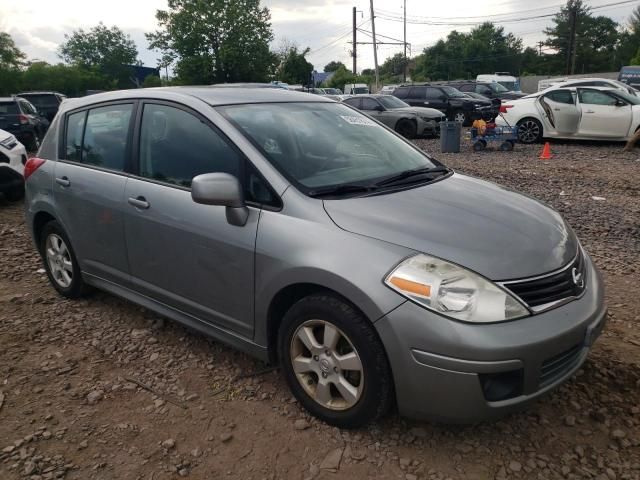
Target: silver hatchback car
[306, 233]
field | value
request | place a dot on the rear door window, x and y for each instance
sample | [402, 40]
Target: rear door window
[466, 88]
[417, 92]
[105, 137]
[434, 93]
[369, 104]
[562, 96]
[401, 92]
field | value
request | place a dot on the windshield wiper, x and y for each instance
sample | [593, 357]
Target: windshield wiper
[341, 189]
[411, 173]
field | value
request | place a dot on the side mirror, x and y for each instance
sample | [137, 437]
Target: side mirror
[224, 190]
[620, 103]
[379, 108]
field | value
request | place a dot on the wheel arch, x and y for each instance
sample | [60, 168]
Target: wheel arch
[532, 117]
[40, 219]
[284, 299]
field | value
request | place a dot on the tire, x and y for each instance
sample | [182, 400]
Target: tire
[479, 145]
[407, 128]
[529, 131]
[369, 390]
[506, 146]
[459, 116]
[54, 259]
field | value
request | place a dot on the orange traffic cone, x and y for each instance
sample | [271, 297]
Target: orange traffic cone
[546, 152]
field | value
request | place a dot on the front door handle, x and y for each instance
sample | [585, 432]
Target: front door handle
[64, 181]
[589, 111]
[139, 202]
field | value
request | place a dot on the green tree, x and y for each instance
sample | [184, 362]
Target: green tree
[294, 67]
[333, 65]
[11, 58]
[629, 38]
[636, 60]
[216, 41]
[109, 50]
[10, 55]
[72, 80]
[596, 39]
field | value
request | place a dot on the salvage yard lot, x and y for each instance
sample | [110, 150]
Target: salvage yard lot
[70, 406]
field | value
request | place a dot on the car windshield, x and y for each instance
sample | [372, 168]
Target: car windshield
[332, 91]
[499, 87]
[391, 102]
[318, 145]
[452, 92]
[627, 88]
[44, 100]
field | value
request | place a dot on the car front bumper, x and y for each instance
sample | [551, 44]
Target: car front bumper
[457, 372]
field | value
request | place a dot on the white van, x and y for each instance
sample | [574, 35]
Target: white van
[505, 79]
[356, 89]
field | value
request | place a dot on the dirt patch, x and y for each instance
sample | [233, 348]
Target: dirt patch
[69, 408]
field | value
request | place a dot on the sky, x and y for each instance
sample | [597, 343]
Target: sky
[39, 26]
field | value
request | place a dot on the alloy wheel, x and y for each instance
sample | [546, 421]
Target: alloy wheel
[459, 117]
[327, 365]
[59, 260]
[528, 131]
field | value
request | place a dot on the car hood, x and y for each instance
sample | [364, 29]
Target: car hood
[421, 111]
[4, 134]
[497, 233]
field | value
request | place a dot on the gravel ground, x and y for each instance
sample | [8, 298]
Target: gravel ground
[103, 389]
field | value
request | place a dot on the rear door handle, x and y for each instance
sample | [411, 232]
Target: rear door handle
[139, 202]
[64, 181]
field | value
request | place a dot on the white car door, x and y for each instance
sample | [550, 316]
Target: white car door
[604, 115]
[559, 112]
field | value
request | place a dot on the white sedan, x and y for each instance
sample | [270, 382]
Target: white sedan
[13, 156]
[587, 113]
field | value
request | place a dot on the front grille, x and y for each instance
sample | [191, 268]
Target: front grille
[556, 367]
[548, 289]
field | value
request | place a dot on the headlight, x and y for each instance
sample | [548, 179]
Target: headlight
[453, 291]
[9, 142]
[427, 119]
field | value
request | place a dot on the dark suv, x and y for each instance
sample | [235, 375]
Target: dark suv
[47, 103]
[20, 118]
[453, 103]
[491, 90]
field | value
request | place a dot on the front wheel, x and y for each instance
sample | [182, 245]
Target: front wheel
[407, 128]
[529, 131]
[334, 362]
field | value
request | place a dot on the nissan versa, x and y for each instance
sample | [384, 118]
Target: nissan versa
[305, 233]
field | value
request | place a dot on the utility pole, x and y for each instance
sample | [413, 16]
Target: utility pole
[571, 58]
[404, 69]
[540, 45]
[353, 51]
[375, 46]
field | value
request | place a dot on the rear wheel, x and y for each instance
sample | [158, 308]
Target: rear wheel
[479, 145]
[407, 128]
[334, 362]
[529, 131]
[506, 146]
[60, 261]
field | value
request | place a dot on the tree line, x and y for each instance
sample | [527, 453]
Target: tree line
[223, 41]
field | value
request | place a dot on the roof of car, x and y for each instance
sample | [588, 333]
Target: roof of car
[213, 95]
[40, 93]
[7, 99]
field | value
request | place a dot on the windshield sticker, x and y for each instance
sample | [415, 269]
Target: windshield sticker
[358, 120]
